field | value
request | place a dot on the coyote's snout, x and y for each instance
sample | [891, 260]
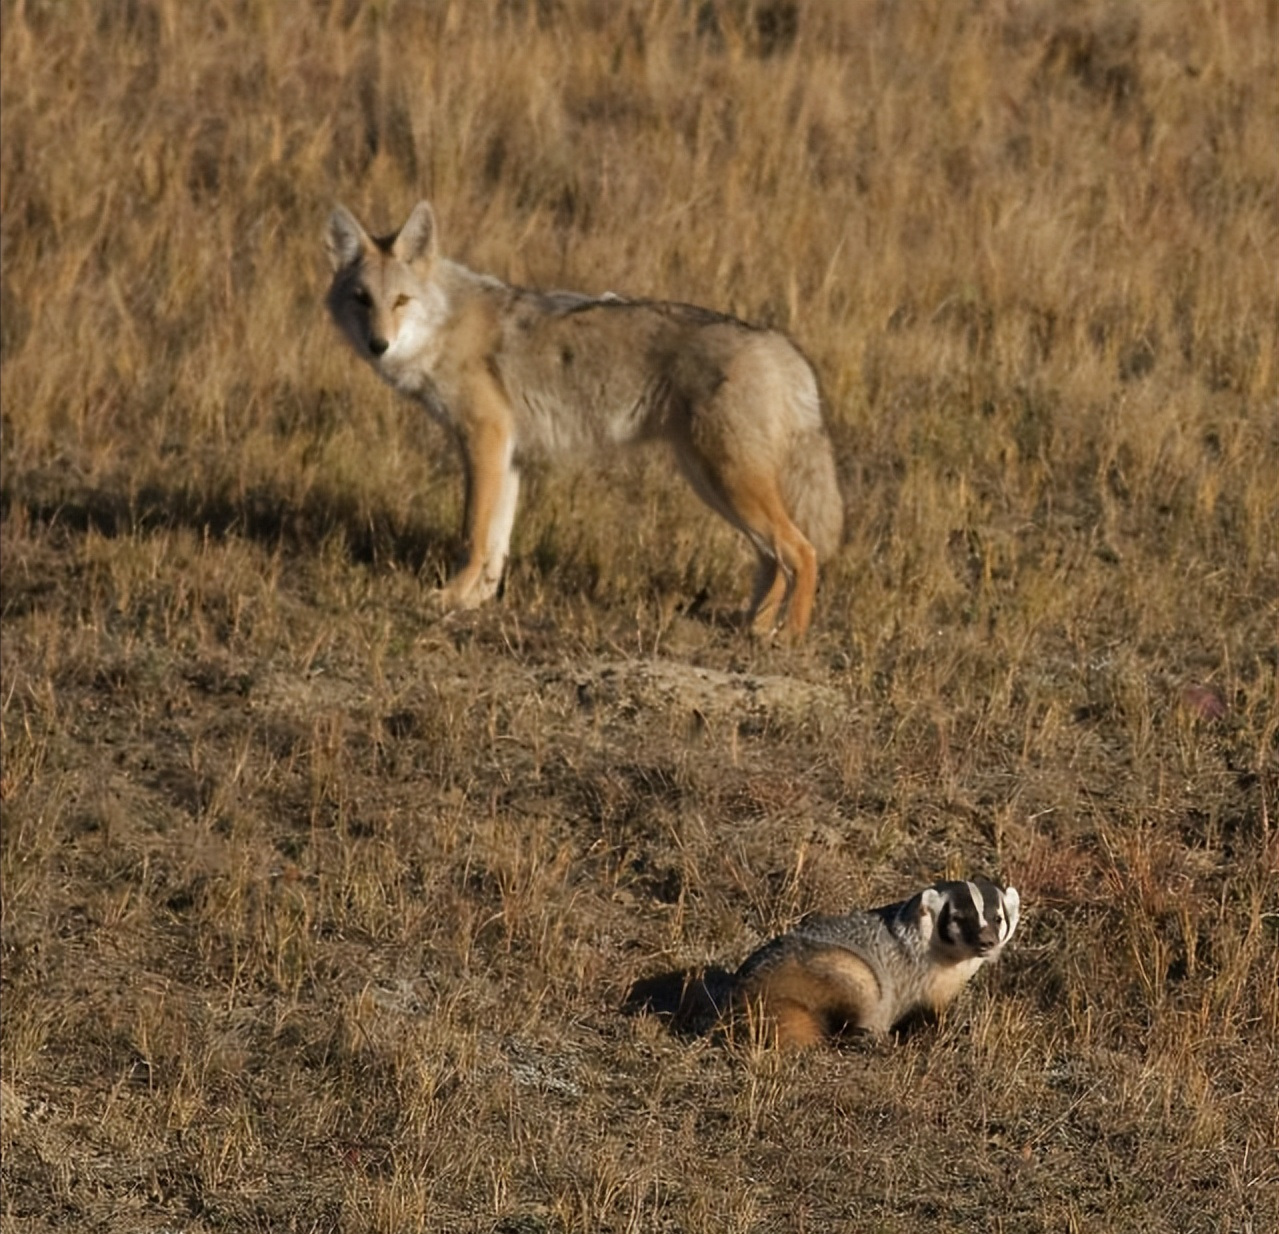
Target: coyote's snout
[511, 371]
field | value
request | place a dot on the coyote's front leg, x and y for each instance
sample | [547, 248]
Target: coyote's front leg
[492, 490]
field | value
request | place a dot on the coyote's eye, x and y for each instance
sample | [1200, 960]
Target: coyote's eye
[401, 301]
[361, 296]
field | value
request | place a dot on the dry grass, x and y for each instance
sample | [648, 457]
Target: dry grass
[320, 915]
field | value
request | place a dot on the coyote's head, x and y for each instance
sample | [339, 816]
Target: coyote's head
[383, 296]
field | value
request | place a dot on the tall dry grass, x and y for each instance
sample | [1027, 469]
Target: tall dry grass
[318, 914]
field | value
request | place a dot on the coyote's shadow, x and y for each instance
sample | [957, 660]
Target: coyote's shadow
[372, 533]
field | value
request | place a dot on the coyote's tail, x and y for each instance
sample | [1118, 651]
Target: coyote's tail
[809, 486]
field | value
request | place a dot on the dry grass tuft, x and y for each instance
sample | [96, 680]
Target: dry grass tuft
[319, 914]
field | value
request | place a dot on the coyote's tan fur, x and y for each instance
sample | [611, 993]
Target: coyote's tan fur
[510, 371]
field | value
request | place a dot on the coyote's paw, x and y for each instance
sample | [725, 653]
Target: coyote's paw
[459, 593]
[439, 602]
[445, 600]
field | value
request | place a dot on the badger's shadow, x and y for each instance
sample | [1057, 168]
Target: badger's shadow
[690, 1001]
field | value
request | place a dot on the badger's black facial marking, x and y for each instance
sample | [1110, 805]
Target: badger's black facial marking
[947, 926]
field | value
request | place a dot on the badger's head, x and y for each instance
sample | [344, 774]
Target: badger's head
[967, 920]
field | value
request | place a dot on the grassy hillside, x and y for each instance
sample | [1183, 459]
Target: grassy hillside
[320, 913]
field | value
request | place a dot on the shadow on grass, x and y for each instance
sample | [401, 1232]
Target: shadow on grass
[691, 1002]
[367, 531]
[264, 514]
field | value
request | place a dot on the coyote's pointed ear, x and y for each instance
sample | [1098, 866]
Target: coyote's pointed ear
[346, 239]
[416, 241]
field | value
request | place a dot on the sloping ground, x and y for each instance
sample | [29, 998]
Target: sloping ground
[327, 920]
[319, 914]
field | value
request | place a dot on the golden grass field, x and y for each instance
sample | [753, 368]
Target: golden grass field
[321, 913]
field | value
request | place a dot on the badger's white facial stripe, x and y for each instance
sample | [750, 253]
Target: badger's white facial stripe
[978, 901]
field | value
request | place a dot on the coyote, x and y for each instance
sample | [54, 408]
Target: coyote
[509, 371]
